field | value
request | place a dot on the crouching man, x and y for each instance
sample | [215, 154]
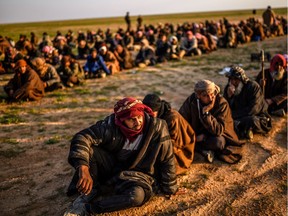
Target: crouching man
[129, 151]
[246, 99]
[210, 116]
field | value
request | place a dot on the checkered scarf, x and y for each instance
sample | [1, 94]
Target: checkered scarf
[128, 108]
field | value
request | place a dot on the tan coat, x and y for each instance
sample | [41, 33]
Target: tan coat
[111, 62]
[26, 86]
[183, 139]
[219, 123]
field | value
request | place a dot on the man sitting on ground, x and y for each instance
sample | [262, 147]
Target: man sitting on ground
[128, 151]
[181, 133]
[25, 85]
[95, 66]
[210, 116]
[47, 73]
[246, 99]
[275, 85]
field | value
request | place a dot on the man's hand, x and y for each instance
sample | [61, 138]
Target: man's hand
[262, 82]
[10, 93]
[200, 138]
[230, 90]
[209, 106]
[85, 182]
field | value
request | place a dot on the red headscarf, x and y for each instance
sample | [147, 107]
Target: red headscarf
[277, 59]
[128, 108]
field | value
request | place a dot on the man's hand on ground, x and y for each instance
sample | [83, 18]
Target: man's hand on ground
[85, 182]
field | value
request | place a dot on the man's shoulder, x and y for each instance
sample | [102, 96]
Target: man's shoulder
[221, 100]
[32, 72]
[157, 123]
[191, 98]
[109, 120]
[175, 114]
[51, 68]
[253, 84]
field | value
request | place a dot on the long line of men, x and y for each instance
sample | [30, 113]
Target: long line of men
[145, 46]
[132, 166]
[67, 60]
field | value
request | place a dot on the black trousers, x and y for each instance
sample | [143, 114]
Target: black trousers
[102, 168]
[131, 197]
[259, 124]
[214, 143]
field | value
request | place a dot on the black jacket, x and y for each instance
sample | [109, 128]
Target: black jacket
[155, 157]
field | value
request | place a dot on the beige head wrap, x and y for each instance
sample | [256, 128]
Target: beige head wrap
[39, 64]
[207, 86]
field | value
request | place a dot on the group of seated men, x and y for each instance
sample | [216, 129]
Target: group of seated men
[207, 122]
[102, 53]
[139, 150]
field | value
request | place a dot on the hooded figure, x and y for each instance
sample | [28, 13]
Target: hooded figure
[130, 152]
[181, 133]
[25, 85]
[246, 99]
[275, 85]
[47, 73]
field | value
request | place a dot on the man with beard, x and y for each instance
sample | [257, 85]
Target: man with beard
[25, 85]
[275, 85]
[210, 116]
[181, 132]
[246, 99]
[129, 152]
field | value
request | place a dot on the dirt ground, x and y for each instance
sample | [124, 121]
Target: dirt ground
[35, 138]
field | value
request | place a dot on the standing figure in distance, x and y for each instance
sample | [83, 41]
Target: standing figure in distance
[128, 21]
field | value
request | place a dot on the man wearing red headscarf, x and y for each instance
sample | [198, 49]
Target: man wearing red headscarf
[275, 82]
[129, 151]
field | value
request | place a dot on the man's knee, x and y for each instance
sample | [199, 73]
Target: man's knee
[137, 196]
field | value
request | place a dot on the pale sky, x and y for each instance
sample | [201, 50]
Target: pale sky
[16, 11]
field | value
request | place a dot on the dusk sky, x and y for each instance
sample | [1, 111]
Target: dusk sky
[16, 11]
